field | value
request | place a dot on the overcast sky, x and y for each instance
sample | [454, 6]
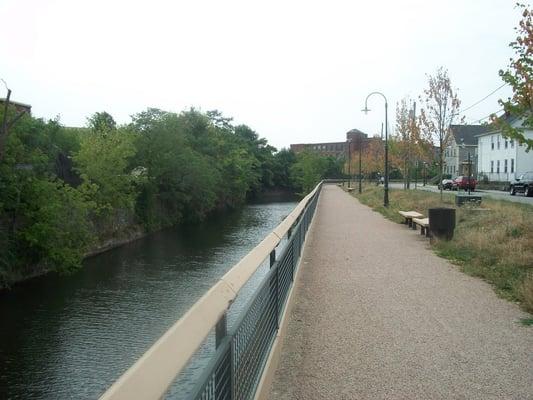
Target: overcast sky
[294, 71]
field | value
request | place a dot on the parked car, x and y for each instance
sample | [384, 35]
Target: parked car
[522, 184]
[446, 184]
[462, 182]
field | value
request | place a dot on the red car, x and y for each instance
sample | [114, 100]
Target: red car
[462, 182]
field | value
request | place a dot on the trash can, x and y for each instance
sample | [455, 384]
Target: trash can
[442, 222]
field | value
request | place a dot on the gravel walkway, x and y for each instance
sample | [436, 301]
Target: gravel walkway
[378, 315]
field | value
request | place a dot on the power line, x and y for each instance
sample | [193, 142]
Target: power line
[483, 99]
[485, 117]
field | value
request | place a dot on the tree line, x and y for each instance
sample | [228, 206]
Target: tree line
[65, 190]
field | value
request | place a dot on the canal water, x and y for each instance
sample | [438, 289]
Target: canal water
[71, 337]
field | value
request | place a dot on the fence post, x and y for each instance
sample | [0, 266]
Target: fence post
[276, 285]
[221, 329]
[221, 332]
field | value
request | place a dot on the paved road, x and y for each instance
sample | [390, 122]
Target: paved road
[378, 316]
[495, 194]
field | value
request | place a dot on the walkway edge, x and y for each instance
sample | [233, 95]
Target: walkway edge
[271, 365]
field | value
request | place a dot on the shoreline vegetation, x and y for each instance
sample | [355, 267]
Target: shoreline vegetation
[495, 244]
[68, 193]
[134, 233]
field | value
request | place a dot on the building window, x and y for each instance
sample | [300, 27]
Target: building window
[498, 144]
[505, 164]
[492, 167]
[498, 166]
[492, 142]
[506, 144]
[512, 144]
[512, 165]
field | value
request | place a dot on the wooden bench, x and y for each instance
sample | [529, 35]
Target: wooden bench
[424, 225]
[350, 189]
[409, 215]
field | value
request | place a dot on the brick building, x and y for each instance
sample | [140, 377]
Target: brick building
[354, 138]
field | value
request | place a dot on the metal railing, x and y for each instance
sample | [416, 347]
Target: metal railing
[236, 367]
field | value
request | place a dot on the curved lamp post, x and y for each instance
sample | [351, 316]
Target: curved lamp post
[366, 110]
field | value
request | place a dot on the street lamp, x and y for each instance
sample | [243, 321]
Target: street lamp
[366, 110]
[469, 164]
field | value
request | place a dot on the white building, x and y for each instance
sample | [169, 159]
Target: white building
[462, 147]
[501, 159]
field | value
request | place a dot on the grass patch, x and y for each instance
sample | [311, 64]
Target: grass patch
[495, 245]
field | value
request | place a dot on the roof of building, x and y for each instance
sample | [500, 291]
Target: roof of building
[467, 133]
[508, 117]
[15, 103]
[316, 143]
[355, 131]
[491, 128]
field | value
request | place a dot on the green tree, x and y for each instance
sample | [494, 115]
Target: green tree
[60, 186]
[101, 122]
[308, 170]
[43, 221]
[239, 169]
[180, 182]
[283, 161]
[57, 233]
[262, 151]
[519, 75]
[103, 162]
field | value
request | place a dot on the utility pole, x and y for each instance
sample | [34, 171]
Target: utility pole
[360, 150]
[412, 114]
[386, 194]
[349, 162]
[6, 125]
[416, 173]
